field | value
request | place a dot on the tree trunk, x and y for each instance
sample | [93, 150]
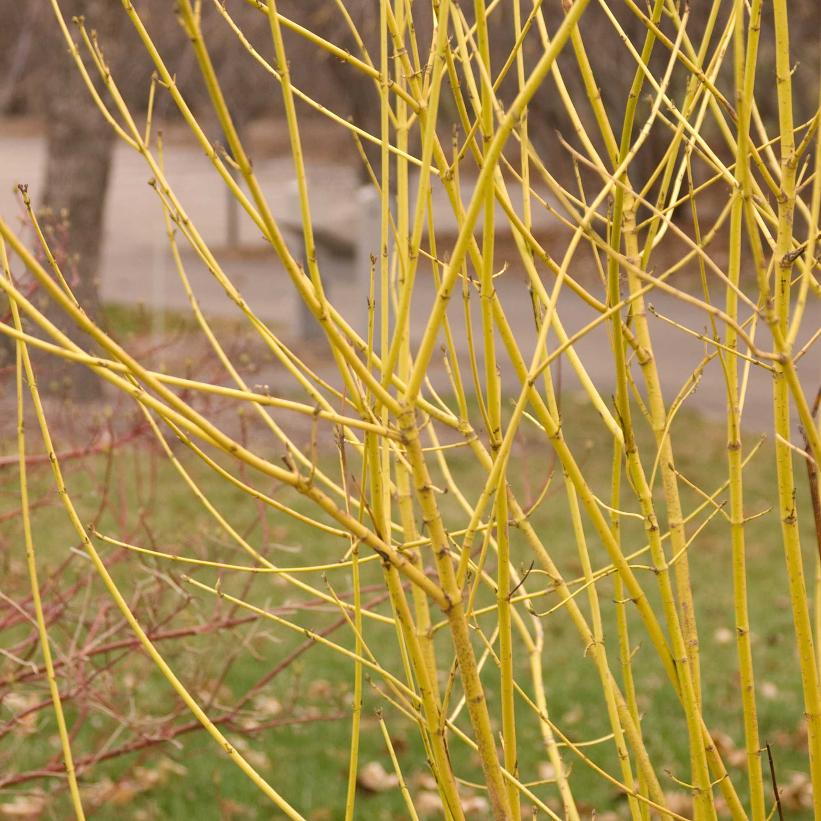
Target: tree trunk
[78, 158]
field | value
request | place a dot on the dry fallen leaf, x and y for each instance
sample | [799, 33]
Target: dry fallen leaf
[723, 635]
[679, 802]
[797, 794]
[769, 690]
[573, 715]
[374, 778]
[124, 792]
[24, 806]
[267, 706]
[18, 704]
[320, 688]
[733, 755]
[428, 804]
[724, 743]
[425, 781]
[231, 809]
[95, 794]
[257, 759]
[140, 780]
[476, 805]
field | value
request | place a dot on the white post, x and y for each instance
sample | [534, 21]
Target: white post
[367, 248]
[158, 303]
[306, 325]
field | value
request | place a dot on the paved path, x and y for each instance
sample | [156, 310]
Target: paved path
[137, 267]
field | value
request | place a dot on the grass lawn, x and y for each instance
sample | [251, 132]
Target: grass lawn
[304, 755]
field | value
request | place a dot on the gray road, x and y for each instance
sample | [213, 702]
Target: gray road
[137, 268]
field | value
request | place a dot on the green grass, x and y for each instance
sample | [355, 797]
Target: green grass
[124, 321]
[307, 762]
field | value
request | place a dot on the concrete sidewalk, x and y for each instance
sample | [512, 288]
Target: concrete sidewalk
[137, 268]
